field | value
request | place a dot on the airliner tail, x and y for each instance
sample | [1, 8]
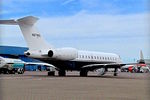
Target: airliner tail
[32, 36]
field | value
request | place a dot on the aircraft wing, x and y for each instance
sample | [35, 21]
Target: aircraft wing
[92, 67]
[40, 63]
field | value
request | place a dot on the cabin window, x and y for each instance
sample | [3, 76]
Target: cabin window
[91, 57]
[82, 56]
[86, 56]
[97, 57]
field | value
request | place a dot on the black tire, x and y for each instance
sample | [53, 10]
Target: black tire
[1, 71]
[11, 72]
[6, 71]
[115, 74]
[83, 73]
[51, 73]
[21, 71]
[62, 73]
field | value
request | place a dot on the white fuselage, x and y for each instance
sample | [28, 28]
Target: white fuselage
[98, 57]
[77, 55]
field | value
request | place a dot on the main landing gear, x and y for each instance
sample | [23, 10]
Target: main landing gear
[83, 73]
[60, 73]
[51, 73]
[116, 72]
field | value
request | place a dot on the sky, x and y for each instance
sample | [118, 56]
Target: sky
[116, 26]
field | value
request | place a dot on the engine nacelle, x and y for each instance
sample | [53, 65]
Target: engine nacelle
[37, 53]
[63, 53]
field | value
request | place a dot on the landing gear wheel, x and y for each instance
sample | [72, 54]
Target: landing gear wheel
[51, 73]
[116, 72]
[6, 71]
[12, 72]
[62, 73]
[83, 73]
[20, 71]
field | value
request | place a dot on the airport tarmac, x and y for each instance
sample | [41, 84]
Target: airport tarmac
[38, 86]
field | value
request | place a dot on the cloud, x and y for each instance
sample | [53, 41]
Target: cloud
[123, 34]
[89, 25]
[11, 35]
[67, 2]
[84, 25]
[72, 7]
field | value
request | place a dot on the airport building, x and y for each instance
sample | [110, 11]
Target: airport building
[18, 52]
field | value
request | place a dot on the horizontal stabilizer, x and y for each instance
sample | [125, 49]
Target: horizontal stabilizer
[29, 20]
[8, 22]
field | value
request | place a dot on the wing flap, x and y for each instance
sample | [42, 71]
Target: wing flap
[92, 67]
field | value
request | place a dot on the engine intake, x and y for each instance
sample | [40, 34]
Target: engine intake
[50, 53]
[27, 53]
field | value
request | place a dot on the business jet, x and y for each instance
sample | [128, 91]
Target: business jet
[64, 59]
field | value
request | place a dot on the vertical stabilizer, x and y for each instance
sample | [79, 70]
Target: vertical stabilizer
[33, 38]
[141, 55]
[141, 61]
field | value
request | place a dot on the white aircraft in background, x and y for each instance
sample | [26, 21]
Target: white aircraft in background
[140, 67]
[12, 66]
[63, 58]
